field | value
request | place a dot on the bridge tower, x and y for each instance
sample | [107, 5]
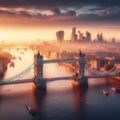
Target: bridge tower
[83, 79]
[39, 82]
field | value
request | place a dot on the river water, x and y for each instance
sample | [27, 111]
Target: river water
[61, 101]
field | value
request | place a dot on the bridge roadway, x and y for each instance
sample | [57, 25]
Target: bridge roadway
[32, 80]
[16, 81]
[60, 60]
[50, 79]
[102, 76]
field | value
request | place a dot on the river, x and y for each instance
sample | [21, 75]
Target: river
[61, 101]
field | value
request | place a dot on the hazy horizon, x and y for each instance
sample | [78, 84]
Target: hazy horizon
[41, 19]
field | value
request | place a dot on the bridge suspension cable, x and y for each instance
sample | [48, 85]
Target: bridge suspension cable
[111, 72]
[21, 74]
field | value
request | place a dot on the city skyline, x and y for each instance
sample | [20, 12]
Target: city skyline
[40, 19]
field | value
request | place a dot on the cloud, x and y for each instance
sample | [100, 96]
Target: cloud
[6, 12]
[63, 11]
[71, 13]
[105, 12]
[56, 11]
[57, 3]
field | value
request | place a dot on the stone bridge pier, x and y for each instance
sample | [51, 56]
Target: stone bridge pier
[83, 79]
[39, 82]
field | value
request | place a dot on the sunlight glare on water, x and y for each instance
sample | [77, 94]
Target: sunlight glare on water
[22, 61]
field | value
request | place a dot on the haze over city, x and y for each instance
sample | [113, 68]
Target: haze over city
[40, 19]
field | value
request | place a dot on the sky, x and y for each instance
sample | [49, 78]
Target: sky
[41, 19]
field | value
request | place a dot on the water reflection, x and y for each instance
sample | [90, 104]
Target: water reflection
[19, 63]
[37, 99]
[113, 82]
[13, 101]
[62, 102]
[37, 103]
[80, 94]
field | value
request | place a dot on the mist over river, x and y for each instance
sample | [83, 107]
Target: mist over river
[61, 101]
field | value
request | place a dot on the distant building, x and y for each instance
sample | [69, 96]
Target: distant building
[80, 36]
[74, 30]
[60, 36]
[113, 40]
[88, 36]
[74, 36]
[100, 38]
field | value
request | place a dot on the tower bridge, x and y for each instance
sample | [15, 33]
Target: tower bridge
[40, 82]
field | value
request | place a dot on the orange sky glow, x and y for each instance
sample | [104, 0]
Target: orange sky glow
[16, 27]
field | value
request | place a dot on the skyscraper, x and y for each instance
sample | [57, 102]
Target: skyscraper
[88, 36]
[60, 36]
[100, 37]
[80, 36]
[74, 36]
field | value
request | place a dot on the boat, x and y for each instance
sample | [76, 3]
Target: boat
[12, 64]
[19, 58]
[105, 92]
[113, 89]
[31, 110]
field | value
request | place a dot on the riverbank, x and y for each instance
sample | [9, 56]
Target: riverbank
[5, 58]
